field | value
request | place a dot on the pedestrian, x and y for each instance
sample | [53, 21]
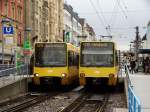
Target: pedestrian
[132, 65]
[136, 65]
[147, 65]
[128, 64]
[143, 64]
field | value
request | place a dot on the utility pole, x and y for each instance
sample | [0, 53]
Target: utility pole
[130, 47]
[137, 42]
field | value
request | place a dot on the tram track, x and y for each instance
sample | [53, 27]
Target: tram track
[84, 99]
[28, 103]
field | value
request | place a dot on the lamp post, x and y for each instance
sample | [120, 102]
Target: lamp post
[27, 47]
[3, 42]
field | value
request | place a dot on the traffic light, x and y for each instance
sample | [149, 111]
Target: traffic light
[67, 36]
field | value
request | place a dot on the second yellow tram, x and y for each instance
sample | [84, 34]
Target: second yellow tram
[98, 63]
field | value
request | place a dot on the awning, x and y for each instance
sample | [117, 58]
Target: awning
[144, 37]
[144, 51]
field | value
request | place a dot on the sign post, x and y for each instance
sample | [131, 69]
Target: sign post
[8, 30]
[27, 50]
[5, 31]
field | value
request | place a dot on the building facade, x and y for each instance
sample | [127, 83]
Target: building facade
[72, 25]
[37, 19]
[146, 38]
[11, 16]
[45, 18]
[56, 20]
[88, 33]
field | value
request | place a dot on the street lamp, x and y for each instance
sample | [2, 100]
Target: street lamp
[3, 44]
[26, 41]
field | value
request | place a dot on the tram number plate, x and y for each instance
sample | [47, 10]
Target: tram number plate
[97, 44]
[50, 45]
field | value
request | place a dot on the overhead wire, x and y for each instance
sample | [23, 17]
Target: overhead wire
[113, 14]
[125, 16]
[103, 16]
[99, 17]
[121, 8]
[101, 11]
[125, 6]
[127, 12]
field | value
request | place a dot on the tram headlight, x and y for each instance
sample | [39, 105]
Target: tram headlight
[63, 75]
[111, 75]
[36, 74]
[82, 74]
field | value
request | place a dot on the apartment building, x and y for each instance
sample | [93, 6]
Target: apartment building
[37, 19]
[45, 18]
[12, 19]
[56, 20]
[72, 25]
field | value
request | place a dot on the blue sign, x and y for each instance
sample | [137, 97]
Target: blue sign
[8, 30]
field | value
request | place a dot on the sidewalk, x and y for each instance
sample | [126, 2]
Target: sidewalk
[141, 87]
[4, 81]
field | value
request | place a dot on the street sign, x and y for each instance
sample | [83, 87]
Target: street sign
[9, 40]
[27, 48]
[27, 44]
[27, 52]
[8, 30]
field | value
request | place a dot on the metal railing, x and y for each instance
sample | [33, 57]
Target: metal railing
[134, 103]
[13, 74]
[21, 70]
[6, 66]
[127, 75]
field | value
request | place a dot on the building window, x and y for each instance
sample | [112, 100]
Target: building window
[19, 1]
[37, 25]
[40, 12]
[19, 40]
[40, 28]
[20, 14]
[36, 7]
[46, 30]
[6, 7]
[13, 10]
[0, 7]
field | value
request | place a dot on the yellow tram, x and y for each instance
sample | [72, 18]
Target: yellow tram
[55, 63]
[98, 63]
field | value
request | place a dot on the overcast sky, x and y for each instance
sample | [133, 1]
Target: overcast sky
[121, 15]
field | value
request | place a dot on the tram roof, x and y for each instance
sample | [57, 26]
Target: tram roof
[97, 41]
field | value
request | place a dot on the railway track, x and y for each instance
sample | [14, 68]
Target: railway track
[28, 103]
[79, 104]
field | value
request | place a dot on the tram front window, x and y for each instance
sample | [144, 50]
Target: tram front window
[50, 56]
[101, 57]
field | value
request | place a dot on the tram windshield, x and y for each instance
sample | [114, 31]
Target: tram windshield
[100, 54]
[50, 55]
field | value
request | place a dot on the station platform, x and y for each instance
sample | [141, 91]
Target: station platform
[7, 80]
[12, 86]
[120, 110]
[141, 87]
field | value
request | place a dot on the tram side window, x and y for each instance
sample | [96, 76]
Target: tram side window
[76, 59]
[70, 58]
[116, 55]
